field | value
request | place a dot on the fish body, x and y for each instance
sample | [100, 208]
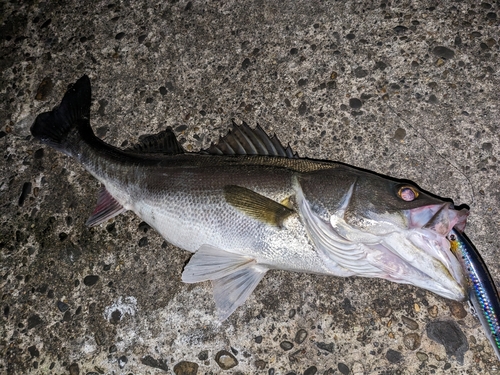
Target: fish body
[483, 294]
[248, 204]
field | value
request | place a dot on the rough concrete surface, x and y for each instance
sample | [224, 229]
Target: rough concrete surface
[408, 89]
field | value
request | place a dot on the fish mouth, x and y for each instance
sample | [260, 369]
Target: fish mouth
[429, 228]
[439, 218]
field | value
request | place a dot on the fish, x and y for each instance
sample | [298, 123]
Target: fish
[483, 295]
[247, 205]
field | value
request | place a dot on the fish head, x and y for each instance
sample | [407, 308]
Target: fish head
[401, 204]
[381, 227]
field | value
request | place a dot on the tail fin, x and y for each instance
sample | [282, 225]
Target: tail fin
[72, 117]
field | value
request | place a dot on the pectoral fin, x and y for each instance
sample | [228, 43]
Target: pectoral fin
[257, 206]
[233, 276]
[106, 208]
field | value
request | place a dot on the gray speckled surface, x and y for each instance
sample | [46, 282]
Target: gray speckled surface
[427, 114]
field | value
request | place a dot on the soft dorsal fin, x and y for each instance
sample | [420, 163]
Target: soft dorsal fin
[243, 140]
[257, 206]
[164, 142]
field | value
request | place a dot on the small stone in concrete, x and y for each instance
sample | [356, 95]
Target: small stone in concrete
[394, 356]
[122, 361]
[324, 346]
[300, 336]
[44, 89]
[443, 52]
[63, 307]
[90, 280]
[152, 362]
[74, 369]
[433, 311]
[34, 320]
[186, 368]
[450, 335]
[422, 356]
[260, 364]
[203, 355]
[412, 341]
[311, 370]
[286, 345]
[343, 368]
[225, 360]
[457, 309]
[410, 323]
[355, 103]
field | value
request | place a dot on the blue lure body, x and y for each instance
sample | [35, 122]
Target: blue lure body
[483, 294]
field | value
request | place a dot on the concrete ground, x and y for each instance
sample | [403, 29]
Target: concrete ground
[408, 89]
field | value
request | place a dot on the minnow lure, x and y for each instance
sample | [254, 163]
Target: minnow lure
[483, 294]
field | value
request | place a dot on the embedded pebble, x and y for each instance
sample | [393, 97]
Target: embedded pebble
[90, 280]
[122, 361]
[443, 52]
[186, 368]
[311, 370]
[422, 356]
[410, 323]
[343, 368]
[393, 356]
[457, 309]
[74, 369]
[324, 346]
[155, 363]
[63, 307]
[302, 108]
[433, 311]
[300, 336]
[26, 190]
[450, 335]
[355, 103]
[399, 134]
[286, 345]
[225, 360]
[260, 364]
[412, 341]
[143, 242]
[203, 355]
[44, 89]
[34, 320]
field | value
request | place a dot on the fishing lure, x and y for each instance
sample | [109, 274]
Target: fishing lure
[483, 294]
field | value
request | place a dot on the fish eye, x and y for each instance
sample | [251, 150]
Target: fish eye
[408, 193]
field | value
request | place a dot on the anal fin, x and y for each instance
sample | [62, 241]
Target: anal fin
[233, 276]
[106, 208]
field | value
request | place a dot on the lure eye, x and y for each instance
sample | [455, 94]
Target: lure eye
[407, 193]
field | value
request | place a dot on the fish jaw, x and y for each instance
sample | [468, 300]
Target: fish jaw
[418, 256]
[441, 218]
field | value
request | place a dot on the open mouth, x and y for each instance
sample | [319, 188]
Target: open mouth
[440, 218]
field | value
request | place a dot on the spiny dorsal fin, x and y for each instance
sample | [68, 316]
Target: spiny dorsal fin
[164, 142]
[243, 140]
[257, 206]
